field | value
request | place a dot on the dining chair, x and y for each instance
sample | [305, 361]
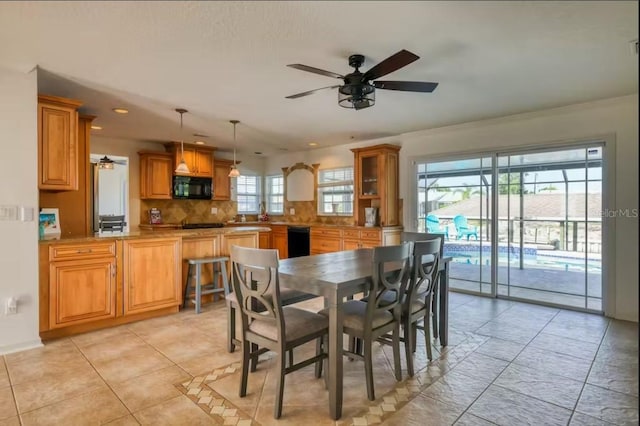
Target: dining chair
[418, 294]
[367, 321]
[255, 280]
[424, 236]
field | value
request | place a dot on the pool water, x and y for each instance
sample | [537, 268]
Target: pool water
[536, 261]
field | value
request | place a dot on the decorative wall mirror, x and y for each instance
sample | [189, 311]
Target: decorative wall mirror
[301, 182]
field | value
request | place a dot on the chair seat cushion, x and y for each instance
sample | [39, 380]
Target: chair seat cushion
[387, 299]
[354, 312]
[297, 323]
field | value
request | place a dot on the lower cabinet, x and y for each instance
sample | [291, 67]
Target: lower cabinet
[81, 291]
[280, 240]
[151, 274]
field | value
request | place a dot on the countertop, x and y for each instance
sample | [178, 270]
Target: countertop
[184, 233]
[329, 225]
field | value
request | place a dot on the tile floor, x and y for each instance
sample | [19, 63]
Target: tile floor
[508, 363]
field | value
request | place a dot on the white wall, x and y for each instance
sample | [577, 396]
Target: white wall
[616, 119]
[19, 242]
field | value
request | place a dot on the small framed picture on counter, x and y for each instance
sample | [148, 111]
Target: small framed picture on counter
[49, 221]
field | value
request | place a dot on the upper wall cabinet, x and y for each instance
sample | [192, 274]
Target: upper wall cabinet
[156, 171]
[221, 180]
[199, 158]
[57, 143]
[376, 183]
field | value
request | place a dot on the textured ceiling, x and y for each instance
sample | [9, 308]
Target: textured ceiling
[227, 60]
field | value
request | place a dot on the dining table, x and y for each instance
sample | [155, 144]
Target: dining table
[340, 275]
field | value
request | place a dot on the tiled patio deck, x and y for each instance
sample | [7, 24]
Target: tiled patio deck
[508, 363]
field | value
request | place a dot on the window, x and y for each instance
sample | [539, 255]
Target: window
[335, 191]
[275, 194]
[248, 194]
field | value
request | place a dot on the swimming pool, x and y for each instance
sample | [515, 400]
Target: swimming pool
[532, 257]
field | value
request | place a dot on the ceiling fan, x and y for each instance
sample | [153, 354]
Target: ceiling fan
[358, 90]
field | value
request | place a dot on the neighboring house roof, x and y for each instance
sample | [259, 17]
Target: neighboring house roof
[536, 206]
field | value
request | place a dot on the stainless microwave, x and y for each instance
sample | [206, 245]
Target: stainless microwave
[192, 188]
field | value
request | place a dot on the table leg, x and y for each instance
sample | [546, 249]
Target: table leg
[444, 305]
[335, 360]
[198, 288]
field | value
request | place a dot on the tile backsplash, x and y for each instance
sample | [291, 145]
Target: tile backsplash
[194, 211]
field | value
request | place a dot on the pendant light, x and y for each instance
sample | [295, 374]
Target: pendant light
[182, 167]
[106, 163]
[234, 172]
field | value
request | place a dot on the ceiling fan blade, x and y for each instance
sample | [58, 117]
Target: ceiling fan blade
[315, 70]
[391, 64]
[407, 86]
[299, 95]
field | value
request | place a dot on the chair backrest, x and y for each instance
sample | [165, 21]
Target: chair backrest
[460, 222]
[256, 283]
[390, 269]
[111, 223]
[433, 223]
[424, 236]
[424, 270]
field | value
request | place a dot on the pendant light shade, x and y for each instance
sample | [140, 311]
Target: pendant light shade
[182, 167]
[234, 172]
[106, 163]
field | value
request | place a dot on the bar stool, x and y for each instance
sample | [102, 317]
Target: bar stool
[195, 269]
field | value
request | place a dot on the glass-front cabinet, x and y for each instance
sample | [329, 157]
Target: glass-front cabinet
[376, 185]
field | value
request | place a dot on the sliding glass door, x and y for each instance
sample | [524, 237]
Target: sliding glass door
[543, 244]
[550, 227]
[455, 200]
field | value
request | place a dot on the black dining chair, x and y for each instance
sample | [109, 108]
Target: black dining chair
[367, 321]
[272, 328]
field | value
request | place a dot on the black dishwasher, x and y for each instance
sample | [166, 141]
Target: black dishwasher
[298, 241]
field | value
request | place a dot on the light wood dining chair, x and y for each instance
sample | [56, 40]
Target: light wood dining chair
[367, 321]
[272, 328]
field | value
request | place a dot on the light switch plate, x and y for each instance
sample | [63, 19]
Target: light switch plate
[26, 214]
[292, 211]
[8, 212]
[214, 210]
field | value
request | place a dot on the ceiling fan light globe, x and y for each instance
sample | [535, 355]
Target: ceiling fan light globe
[356, 96]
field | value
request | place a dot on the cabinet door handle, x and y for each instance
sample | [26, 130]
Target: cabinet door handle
[83, 251]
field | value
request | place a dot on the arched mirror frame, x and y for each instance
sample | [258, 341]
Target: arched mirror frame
[313, 169]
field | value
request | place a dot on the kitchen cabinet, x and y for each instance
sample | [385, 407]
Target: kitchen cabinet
[58, 156]
[355, 239]
[376, 183]
[221, 179]
[325, 240]
[151, 274]
[280, 240]
[156, 172]
[82, 284]
[198, 158]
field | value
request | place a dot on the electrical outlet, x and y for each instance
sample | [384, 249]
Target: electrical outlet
[214, 210]
[292, 211]
[12, 306]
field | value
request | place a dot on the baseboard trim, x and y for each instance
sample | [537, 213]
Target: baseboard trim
[18, 347]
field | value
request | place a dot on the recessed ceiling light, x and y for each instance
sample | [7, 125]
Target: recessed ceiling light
[121, 110]
[199, 142]
[94, 127]
[313, 144]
